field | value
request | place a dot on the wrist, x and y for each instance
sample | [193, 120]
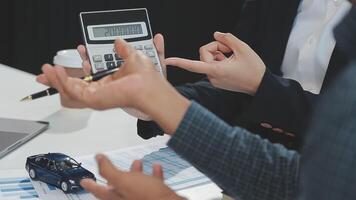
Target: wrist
[171, 111]
[165, 106]
[256, 82]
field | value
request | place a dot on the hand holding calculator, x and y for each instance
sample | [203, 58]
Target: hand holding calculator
[101, 28]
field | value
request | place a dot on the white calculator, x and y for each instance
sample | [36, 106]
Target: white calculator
[101, 28]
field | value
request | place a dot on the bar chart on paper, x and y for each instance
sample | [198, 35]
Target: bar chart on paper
[14, 188]
[48, 192]
[15, 185]
[178, 173]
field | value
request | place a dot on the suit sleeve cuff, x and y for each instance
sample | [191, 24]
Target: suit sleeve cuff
[270, 101]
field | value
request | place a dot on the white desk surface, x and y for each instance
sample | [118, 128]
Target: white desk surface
[73, 132]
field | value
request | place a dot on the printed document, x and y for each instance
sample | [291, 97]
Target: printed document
[178, 173]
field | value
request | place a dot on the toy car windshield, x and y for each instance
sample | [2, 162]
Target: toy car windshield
[66, 164]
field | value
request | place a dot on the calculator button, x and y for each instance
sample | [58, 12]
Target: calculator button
[148, 47]
[119, 63]
[139, 47]
[150, 54]
[157, 68]
[97, 58]
[117, 57]
[155, 61]
[108, 57]
[99, 66]
[111, 65]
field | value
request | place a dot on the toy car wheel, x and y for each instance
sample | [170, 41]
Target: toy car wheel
[64, 186]
[32, 173]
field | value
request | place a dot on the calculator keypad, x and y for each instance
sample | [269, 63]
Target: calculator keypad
[148, 47]
[139, 47]
[108, 57]
[112, 61]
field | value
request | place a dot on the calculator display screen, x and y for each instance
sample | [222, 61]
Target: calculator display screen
[104, 32]
[118, 30]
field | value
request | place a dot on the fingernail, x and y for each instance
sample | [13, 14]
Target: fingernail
[84, 182]
[45, 66]
[218, 32]
[99, 157]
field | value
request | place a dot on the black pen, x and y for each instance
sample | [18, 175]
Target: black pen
[52, 91]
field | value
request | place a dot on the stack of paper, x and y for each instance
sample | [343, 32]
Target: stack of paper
[178, 173]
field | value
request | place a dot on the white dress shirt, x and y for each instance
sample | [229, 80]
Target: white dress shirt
[311, 42]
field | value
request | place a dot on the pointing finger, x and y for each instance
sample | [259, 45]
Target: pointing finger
[191, 65]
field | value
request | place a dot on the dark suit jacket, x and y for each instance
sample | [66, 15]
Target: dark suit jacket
[329, 154]
[282, 103]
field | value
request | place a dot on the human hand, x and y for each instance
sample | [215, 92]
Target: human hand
[136, 85]
[158, 40]
[86, 66]
[72, 72]
[159, 43]
[135, 62]
[241, 72]
[129, 185]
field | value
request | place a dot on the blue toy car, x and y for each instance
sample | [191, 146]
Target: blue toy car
[57, 169]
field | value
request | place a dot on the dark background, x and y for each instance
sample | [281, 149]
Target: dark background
[32, 31]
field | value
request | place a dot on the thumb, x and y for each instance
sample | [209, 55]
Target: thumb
[123, 48]
[86, 67]
[82, 50]
[159, 43]
[237, 45]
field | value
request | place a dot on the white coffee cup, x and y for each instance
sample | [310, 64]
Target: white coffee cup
[71, 61]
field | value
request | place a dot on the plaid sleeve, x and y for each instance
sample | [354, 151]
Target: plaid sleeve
[241, 163]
